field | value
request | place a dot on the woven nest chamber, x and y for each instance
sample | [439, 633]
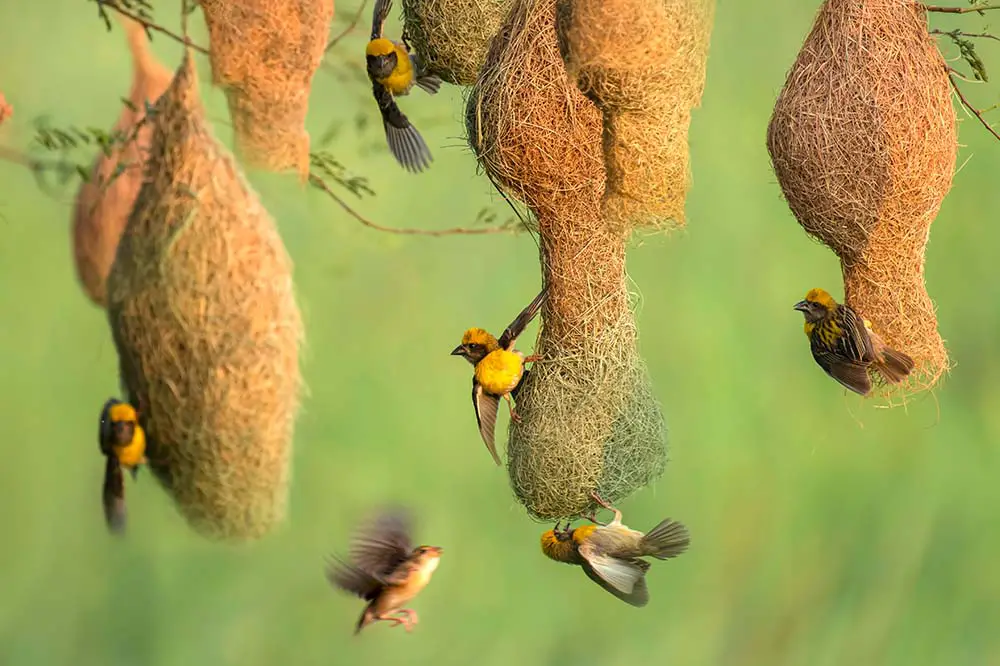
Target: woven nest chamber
[103, 202]
[589, 417]
[863, 141]
[643, 63]
[203, 314]
[264, 54]
[452, 36]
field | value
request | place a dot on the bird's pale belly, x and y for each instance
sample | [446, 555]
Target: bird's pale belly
[500, 371]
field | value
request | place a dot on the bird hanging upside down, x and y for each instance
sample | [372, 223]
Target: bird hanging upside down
[393, 71]
[123, 443]
[385, 570]
[610, 553]
[498, 369]
[845, 346]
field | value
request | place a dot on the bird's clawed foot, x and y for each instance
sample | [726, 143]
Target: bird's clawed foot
[532, 358]
[408, 621]
[514, 416]
[597, 498]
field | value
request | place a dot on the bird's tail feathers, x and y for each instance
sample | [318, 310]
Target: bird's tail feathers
[363, 621]
[668, 539]
[894, 365]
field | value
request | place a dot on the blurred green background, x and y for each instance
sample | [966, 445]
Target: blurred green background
[824, 530]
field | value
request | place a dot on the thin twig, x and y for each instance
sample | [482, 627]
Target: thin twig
[347, 30]
[319, 184]
[974, 110]
[983, 35]
[959, 10]
[149, 25]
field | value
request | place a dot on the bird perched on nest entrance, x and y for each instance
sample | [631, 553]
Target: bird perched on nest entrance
[385, 569]
[498, 369]
[610, 553]
[123, 443]
[393, 71]
[846, 347]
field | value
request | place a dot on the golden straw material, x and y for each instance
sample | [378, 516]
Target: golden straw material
[452, 36]
[643, 63]
[203, 313]
[264, 54]
[589, 419]
[863, 142]
[104, 202]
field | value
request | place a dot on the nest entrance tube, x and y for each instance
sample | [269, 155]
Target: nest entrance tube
[864, 148]
[204, 318]
[589, 418]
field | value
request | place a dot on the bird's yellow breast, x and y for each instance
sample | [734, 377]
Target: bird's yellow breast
[500, 371]
[133, 453]
[401, 79]
[828, 331]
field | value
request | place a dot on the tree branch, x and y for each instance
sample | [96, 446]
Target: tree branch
[959, 33]
[349, 28]
[155, 27]
[321, 185]
[968, 105]
[958, 10]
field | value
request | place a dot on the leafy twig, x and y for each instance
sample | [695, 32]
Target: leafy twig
[967, 50]
[968, 105]
[346, 31]
[976, 7]
[321, 185]
[142, 17]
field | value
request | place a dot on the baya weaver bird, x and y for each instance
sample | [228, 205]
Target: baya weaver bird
[385, 569]
[609, 553]
[846, 347]
[393, 71]
[498, 369]
[123, 443]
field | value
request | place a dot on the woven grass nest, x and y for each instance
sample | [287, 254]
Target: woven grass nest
[452, 36]
[864, 148]
[589, 419]
[264, 54]
[103, 202]
[204, 318]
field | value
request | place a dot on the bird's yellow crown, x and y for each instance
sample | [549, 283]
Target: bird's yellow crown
[380, 47]
[821, 297]
[479, 336]
[581, 534]
[122, 412]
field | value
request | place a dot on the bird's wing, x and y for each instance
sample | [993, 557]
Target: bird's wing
[401, 574]
[486, 416]
[380, 545]
[405, 142]
[517, 326]
[856, 344]
[113, 496]
[429, 83]
[850, 374]
[352, 579]
[104, 427]
[379, 14]
[624, 578]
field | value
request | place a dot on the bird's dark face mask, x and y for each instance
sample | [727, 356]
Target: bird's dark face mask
[381, 66]
[813, 312]
[123, 431]
[472, 352]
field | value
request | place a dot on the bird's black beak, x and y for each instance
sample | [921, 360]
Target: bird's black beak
[458, 351]
[801, 306]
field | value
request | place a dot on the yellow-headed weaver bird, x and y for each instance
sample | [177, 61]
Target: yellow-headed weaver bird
[498, 369]
[393, 71]
[610, 553]
[846, 347]
[123, 443]
[385, 569]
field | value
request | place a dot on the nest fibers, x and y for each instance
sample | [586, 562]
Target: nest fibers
[202, 309]
[452, 36]
[589, 418]
[264, 54]
[643, 63]
[863, 142]
[103, 202]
